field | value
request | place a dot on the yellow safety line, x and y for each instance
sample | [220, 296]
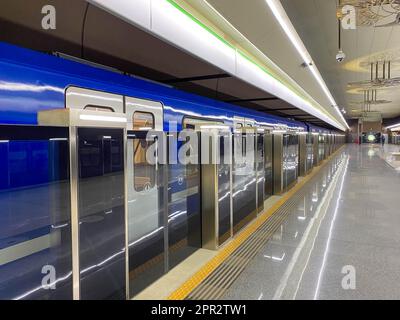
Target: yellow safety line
[183, 291]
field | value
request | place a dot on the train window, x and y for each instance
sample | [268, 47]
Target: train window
[144, 173]
[99, 108]
[244, 145]
[191, 122]
[143, 121]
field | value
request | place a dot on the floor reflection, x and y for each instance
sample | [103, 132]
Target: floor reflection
[345, 220]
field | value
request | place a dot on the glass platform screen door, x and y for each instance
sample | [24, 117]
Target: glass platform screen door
[98, 211]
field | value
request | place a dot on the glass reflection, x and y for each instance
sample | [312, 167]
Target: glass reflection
[244, 181]
[268, 155]
[260, 172]
[101, 214]
[145, 214]
[184, 211]
[35, 223]
[290, 160]
[224, 193]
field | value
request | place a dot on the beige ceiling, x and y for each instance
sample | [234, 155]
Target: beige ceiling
[315, 21]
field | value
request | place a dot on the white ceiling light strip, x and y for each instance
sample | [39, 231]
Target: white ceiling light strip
[394, 127]
[252, 74]
[167, 22]
[287, 26]
[240, 38]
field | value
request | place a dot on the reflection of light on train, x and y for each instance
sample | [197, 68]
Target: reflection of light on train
[244, 188]
[138, 241]
[51, 284]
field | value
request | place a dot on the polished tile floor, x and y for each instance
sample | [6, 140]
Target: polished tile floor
[387, 153]
[342, 240]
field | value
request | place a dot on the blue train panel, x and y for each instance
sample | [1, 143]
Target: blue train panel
[32, 81]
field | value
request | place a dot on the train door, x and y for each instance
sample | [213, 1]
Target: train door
[215, 141]
[97, 164]
[268, 165]
[334, 142]
[315, 141]
[290, 160]
[294, 157]
[303, 154]
[310, 151]
[96, 157]
[328, 145]
[146, 195]
[101, 213]
[260, 167]
[285, 160]
[321, 147]
[244, 177]
[184, 201]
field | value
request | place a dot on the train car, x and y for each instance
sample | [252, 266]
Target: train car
[133, 221]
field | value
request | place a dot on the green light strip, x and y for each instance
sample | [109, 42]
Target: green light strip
[265, 70]
[289, 86]
[177, 6]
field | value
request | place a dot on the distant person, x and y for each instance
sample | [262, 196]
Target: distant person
[383, 140]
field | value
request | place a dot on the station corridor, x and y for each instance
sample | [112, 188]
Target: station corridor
[350, 227]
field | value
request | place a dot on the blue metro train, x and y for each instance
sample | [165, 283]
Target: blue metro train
[125, 244]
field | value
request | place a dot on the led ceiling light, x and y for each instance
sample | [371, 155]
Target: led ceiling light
[307, 106]
[394, 127]
[288, 28]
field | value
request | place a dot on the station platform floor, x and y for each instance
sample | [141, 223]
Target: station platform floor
[341, 240]
[389, 152]
[335, 235]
